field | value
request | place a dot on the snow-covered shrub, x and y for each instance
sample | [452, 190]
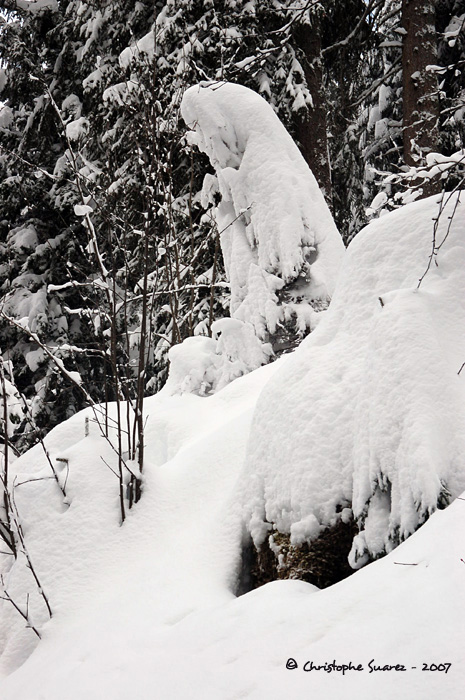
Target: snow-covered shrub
[368, 413]
[239, 349]
[192, 366]
[201, 365]
[280, 245]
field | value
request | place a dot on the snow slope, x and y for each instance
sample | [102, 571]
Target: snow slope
[153, 617]
[180, 532]
[148, 610]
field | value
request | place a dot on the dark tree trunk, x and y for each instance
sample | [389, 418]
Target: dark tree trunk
[420, 87]
[310, 124]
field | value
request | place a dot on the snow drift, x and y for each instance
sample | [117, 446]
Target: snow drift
[369, 413]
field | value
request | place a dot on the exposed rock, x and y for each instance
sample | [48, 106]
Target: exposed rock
[322, 563]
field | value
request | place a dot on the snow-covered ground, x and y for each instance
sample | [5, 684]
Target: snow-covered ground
[148, 610]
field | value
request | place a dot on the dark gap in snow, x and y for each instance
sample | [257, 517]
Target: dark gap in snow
[322, 563]
[246, 582]
[311, 255]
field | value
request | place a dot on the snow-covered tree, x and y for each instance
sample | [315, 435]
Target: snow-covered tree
[99, 170]
[355, 440]
[386, 124]
[281, 248]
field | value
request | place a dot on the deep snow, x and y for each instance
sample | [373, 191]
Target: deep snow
[148, 610]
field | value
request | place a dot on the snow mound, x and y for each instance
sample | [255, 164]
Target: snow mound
[201, 365]
[186, 526]
[369, 413]
[280, 245]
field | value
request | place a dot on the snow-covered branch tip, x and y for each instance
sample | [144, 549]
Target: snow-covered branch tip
[29, 6]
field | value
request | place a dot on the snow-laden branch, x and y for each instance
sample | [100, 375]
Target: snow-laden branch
[30, 6]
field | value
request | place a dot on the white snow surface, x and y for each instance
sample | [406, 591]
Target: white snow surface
[370, 409]
[148, 610]
[275, 226]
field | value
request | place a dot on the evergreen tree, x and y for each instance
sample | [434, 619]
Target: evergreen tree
[392, 138]
[349, 47]
[40, 241]
[420, 104]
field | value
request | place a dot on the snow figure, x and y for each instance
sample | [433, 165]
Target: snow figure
[363, 425]
[281, 248]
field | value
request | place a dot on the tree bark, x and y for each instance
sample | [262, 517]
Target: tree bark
[420, 86]
[310, 124]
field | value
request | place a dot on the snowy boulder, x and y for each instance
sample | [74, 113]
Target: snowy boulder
[281, 248]
[369, 413]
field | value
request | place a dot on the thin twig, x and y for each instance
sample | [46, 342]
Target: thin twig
[24, 615]
[401, 563]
